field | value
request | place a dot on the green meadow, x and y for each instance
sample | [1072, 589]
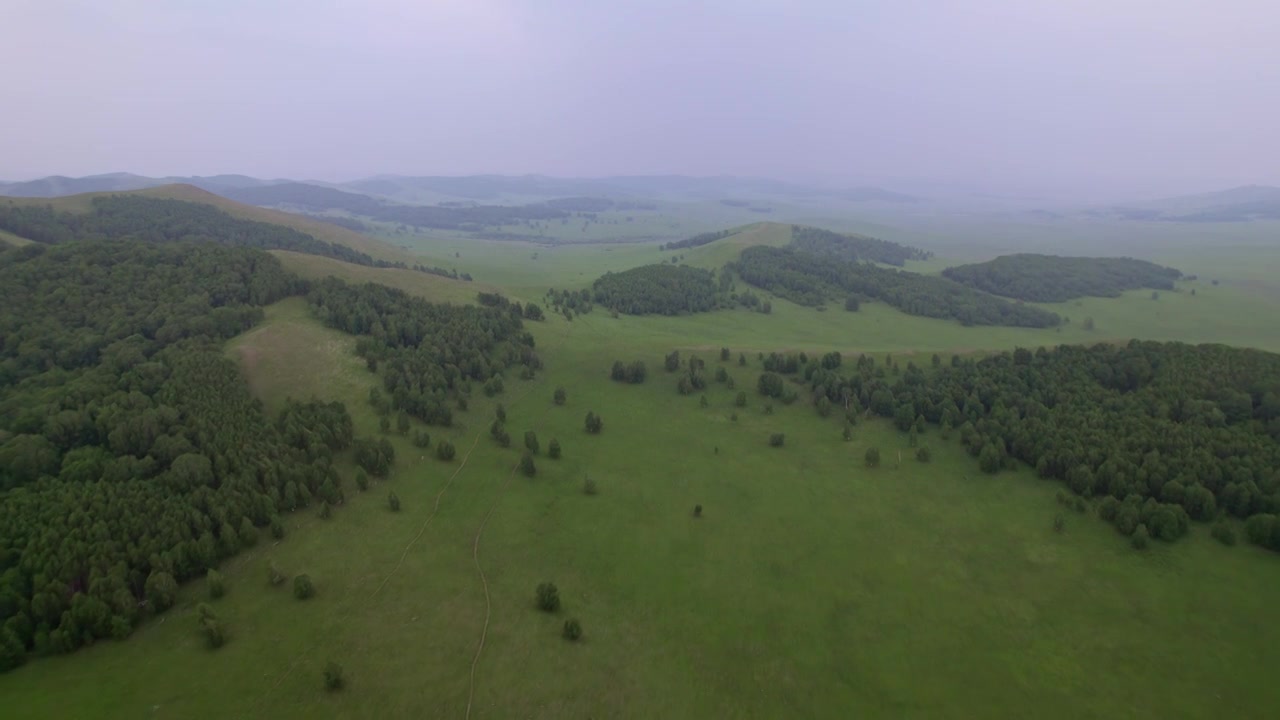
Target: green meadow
[811, 585]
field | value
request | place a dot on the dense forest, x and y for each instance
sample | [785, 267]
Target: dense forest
[427, 353]
[1052, 278]
[853, 248]
[157, 220]
[657, 289]
[1159, 433]
[812, 280]
[132, 456]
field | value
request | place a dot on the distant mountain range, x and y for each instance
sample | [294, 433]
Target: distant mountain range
[488, 189]
[1241, 204]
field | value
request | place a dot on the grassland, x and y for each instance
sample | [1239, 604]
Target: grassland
[812, 586]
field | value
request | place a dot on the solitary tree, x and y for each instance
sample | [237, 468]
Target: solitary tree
[526, 464]
[277, 527]
[393, 501]
[594, 423]
[741, 399]
[326, 511]
[362, 479]
[333, 678]
[421, 439]
[445, 450]
[161, 590]
[777, 440]
[559, 396]
[923, 454]
[548, 597]
[697, 511]
[724, 354]
[572, 630]
[848, 432]
[501, 413]
[872, 457]
[553, 449]
[531, 441]
[589, 486]
[302, 587]
[702, 402]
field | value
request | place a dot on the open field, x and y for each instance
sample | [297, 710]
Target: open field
[812, 587]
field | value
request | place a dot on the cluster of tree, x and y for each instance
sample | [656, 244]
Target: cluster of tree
[1051, 278]
[342, 222]
[427, 353]
[157, 220]
[633, 372]
[132, 456]
[1170, 432]
[657, 289]
[529, 311]
[568, 302]
[808, 279]
[853, 248]
[702, 239]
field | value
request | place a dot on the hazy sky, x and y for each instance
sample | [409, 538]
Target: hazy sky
[1055, 97]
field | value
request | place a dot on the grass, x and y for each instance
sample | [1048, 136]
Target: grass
[811, 586]
[11, 239]
[432, 287]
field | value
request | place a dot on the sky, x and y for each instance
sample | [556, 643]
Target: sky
[1078, 98]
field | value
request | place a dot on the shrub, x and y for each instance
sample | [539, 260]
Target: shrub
[421, 439]
[1059, 523]
[589, 487]
[572, 629]
[777, 439]
[741, 399]
[548, 597]
[1140, 538]
[526, 464]
[560, 396]
[445, 450]
[212, 630]
[393, 501]
[326, 511]
[333, 679]
[213, 580]
[531, 441]
[553, 449]
[1223, 533]
[362, 479]
[733, 416]
[923, 454]
[697, 511]
[872, 457]
[277, 528]
[302, 587]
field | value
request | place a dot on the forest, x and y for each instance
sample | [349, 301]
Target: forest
[662, 289]
[1053, 278]
[1158, 433]
[427, 354]
[812, 280]
[132, 456]
[157, 220]
[853, 248]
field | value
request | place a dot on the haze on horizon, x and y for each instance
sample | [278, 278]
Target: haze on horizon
[1082, 100]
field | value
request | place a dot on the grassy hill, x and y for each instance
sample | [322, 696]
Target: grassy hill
[431, 287]
[189, 193]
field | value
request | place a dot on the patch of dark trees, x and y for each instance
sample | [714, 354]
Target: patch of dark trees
[812, 280]
[853, 248]
[1051, 278]
[662, 289]
[428, 354]
[1158, 434]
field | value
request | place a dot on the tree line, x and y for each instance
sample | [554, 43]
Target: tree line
[809, 279]
[1052, 278]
